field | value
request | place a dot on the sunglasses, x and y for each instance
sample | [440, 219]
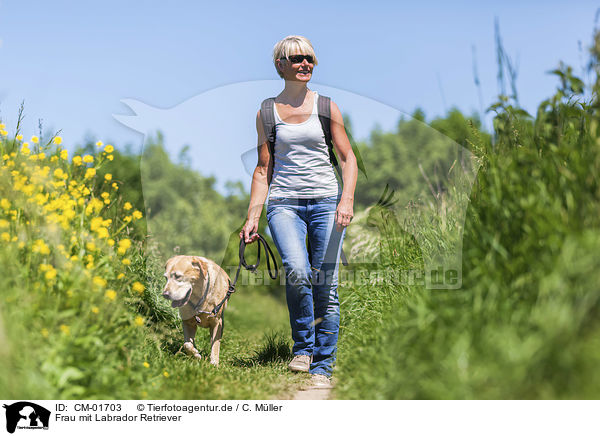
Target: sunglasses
[297, 59]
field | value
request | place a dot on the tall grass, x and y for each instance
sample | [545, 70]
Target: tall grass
[526, 322]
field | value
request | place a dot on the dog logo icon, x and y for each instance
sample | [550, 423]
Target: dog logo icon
[26, 415]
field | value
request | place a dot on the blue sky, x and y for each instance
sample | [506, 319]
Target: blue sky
[73, 62]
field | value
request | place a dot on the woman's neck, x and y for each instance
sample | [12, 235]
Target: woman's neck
[294, 93]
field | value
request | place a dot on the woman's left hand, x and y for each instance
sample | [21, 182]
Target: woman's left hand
[344, 213]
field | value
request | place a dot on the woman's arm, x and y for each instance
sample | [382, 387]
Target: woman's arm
[260, 184]
[347, 160]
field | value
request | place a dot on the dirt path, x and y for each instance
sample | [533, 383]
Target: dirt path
[311, 393]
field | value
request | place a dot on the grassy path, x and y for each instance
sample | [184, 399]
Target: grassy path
[254, 353]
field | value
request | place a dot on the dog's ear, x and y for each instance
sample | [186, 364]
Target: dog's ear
[200, 265]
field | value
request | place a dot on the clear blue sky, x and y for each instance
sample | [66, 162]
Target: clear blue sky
[73, 62]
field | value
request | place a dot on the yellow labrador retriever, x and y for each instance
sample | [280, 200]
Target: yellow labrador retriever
[196, 286]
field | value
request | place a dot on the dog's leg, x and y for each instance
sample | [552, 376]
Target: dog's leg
[216, 332]
[189, 334]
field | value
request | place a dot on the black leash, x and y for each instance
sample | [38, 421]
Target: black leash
[251, 268]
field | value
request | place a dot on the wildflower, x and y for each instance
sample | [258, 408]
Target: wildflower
[90, 246]
[110, 157]
[109, 148]
[4, 223]
[35, 139]
[25, 150]
[64, 154]
[124, 244]
[110, 295]
[99, 281]
[139, 321]
[88, 158]
[5, 236]
[166, 374]
[76, 160]
[65, 329]
[50, 274]
[146, 365]
[108, 177]
[19, 137]
[57, 140]
[89, 173]
[3, 132]
[5, 204]
[95, 310]
[127, 206]
[138, 287]
[115, 186]
[99, 143]
[120, 276]
[126, 262]
[111, 242]
[136, 214]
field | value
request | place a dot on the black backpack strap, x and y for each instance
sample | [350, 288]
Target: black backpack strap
[268, 119]
[324, 110]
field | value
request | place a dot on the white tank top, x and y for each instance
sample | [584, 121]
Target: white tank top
[302, 168]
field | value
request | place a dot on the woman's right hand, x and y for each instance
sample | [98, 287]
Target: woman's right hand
[250, 230]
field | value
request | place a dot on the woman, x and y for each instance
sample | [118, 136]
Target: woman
[305, 199]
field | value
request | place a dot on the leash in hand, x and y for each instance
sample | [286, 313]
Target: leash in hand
[252, 268]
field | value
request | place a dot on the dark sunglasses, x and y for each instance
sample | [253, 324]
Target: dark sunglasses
[297, 59]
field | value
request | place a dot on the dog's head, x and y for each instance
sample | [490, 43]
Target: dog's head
[182, 272]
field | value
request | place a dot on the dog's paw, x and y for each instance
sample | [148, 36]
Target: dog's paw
[190, 350]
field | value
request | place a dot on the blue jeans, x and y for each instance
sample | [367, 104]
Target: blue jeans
[311, 285]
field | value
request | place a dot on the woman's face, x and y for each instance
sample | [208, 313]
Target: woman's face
[296, 71]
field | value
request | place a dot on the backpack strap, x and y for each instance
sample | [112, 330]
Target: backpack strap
[268, 119]
[324, 111]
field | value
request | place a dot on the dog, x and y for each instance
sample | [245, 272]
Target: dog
[196, 285]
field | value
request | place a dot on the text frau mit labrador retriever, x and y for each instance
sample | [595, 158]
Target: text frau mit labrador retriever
[220, 141]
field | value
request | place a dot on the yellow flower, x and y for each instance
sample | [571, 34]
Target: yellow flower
[35, 139]
[2, 126]
[110, 294]
[111, 242]
[89, 173]
[65, 329]
[5, 237]
[90, 246]
[19, 137]
[5, 204]
[126, 262]
[3, 132]
[139, 321]
[138, 287]
[99, 281]
[57, 140]
[25, 150]
[95, 310]
[109, 148]
[4, 223]
[88, 158]
[76, 160]
[127, 206]
[124, 244]
[110, 157]
[64, 154]
[120, 276]
[136, 214]
[99, 143]
[105, 195]
[50, 274]
[146, 365]
[166, 374]
[108, 177]
[115, 186]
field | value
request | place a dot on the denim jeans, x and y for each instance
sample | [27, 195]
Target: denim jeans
[311, 285]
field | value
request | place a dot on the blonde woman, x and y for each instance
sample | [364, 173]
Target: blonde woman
[304, 200]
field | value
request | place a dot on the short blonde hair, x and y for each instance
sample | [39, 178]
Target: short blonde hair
[290, 45]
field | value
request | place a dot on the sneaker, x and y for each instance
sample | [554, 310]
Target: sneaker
[320, 381]
[300, 363]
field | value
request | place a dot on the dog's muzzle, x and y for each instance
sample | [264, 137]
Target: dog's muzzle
[178, 303]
